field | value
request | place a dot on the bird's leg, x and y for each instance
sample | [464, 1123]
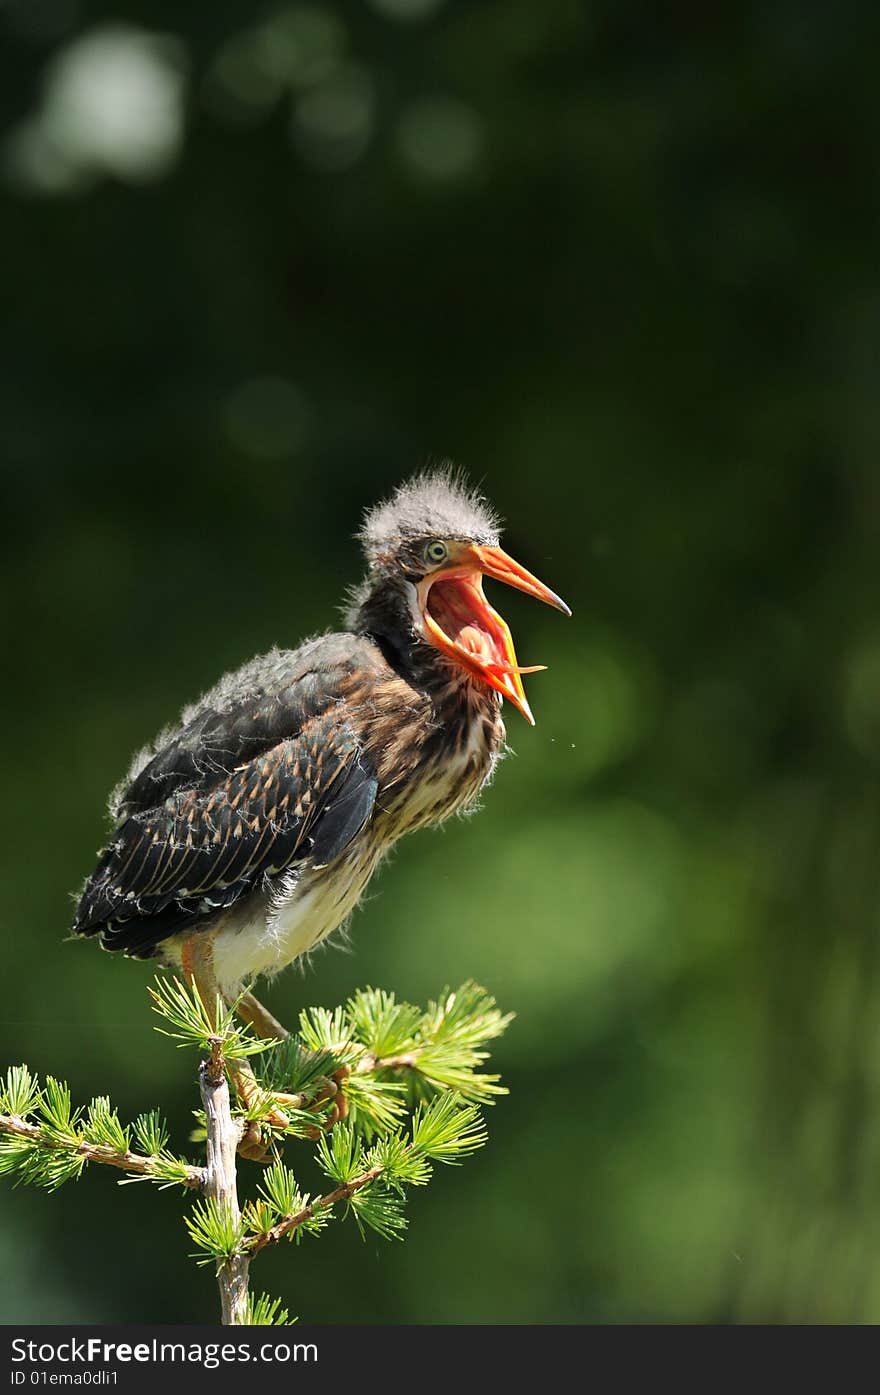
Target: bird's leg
[252, 1011]
[197, 961]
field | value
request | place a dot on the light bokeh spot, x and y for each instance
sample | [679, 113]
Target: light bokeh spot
[407, 10]
[440, 138]
[333, 121]
[112, 104]
[294, 49]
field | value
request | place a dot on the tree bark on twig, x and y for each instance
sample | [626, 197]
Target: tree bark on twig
[223, 1138]
[292, 1222]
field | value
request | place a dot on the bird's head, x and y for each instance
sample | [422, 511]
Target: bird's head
[428, 548]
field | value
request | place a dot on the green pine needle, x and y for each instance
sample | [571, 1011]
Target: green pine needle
[278, 1186]
[103, 1128]
[400, 1162]
[444, 1066]
[56, 1109]
[379, 1209]
[384, 1026]
[214, 1232]
[323, 1030]
[447, 1130]
[267, 1312]
[50, 1167]
[190, 1023]
[341, 1154]
[19, 1092]
[14, 1156]
[376, 1105]
[292, 1067]
[151, 1132]
[468, 1016]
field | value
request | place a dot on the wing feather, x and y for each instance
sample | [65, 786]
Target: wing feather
[223, 823]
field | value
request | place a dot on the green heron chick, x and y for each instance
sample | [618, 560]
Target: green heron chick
[246, 835]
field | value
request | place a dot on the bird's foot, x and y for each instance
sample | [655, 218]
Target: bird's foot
[332, 1088]
[255, 1142]
[269, 1110]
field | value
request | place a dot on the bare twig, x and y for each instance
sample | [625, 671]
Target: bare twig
[369, 1062]
[223, 1138]
[290, 1223]
[139, 1164]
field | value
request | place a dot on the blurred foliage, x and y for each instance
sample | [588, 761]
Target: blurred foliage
[621, 262]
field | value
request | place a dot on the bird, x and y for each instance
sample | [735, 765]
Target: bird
[246, 834]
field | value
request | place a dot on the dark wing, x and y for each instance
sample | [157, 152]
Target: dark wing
[221, 824]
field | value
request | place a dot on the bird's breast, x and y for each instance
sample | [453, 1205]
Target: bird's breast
[455, 763]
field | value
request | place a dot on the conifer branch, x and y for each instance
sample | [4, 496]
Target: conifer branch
[409, 1080]
[138, 1165]
[444, 1131]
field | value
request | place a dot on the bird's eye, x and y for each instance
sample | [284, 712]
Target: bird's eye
[436, 552]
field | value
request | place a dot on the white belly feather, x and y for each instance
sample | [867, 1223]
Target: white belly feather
[268, 933]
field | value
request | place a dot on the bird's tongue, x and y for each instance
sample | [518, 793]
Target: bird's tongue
[460, 609]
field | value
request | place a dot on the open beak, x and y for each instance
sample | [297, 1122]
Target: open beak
[460, 622]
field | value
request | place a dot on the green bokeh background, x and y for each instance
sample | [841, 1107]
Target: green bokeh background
[621, 262]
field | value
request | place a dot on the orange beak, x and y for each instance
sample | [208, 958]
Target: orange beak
[460, 622]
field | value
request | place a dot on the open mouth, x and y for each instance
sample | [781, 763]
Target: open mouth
[469, 623]
[460, 622]
[463, 625]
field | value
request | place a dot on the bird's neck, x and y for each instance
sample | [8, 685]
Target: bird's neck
[455, 692]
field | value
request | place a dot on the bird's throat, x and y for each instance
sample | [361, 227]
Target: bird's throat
[460, 623]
